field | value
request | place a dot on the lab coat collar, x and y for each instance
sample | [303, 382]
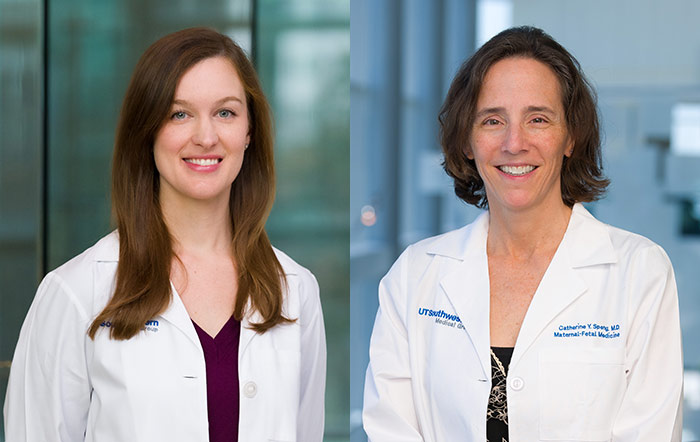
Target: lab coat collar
[585, 243]
[107, 250]
[177, 315]
[247, 331]
[466, 243]
[590, 243]
[254, 317]
[588, 239]
[470, 275]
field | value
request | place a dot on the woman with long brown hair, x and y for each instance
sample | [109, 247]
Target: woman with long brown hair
[185, 323]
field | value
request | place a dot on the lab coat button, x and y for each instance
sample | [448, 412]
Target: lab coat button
[517, 384]
[250, 389]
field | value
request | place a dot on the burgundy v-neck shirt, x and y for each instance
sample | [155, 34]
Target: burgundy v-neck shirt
[221, 359]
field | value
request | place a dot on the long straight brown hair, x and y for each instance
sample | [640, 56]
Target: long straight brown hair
[143, 288]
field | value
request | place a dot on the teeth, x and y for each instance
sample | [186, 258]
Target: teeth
[517, 170]
[202, 161]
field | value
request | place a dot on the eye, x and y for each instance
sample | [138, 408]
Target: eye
[178, 115]
[491, 122]
[225, 113]
[539, 120]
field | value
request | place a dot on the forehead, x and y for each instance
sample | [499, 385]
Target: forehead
[518, 81]
[211, 78]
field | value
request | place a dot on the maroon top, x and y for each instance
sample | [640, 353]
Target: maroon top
[221, 359]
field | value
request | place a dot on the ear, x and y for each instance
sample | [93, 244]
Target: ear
[569, 148]
[468, 153]
[247, 139]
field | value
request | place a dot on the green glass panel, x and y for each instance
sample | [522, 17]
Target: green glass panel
[303, 58]
[21, 70]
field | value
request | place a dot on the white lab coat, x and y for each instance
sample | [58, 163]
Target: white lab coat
[429, 375]
[64, 386]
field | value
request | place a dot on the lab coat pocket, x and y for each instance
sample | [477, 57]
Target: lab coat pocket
[581, 390]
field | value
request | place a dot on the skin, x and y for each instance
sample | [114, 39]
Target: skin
[520, 123]
[208, 121]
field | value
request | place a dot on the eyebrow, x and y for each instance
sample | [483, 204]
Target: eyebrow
[218, 102]
[490, 110]
[544, 109]
[498, 110]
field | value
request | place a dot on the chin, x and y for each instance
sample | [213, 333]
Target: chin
[206, 194]
[515, 201]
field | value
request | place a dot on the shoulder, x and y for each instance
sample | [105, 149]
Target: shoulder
[290, 266]
[302, 286]
[104, 250]
[629, 245]
[448, 243]
[79, 277]
[295, 271]
[453, 246]
[628, 248]
[642, 261]
[641, 266]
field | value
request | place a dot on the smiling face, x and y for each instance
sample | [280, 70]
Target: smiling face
[199, 149]
[519, 137]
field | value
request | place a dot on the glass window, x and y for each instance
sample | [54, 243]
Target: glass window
[303, 57]
[302, 51]
[21, 153]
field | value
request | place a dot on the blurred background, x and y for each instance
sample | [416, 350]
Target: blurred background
[642, 56]
[64, 68]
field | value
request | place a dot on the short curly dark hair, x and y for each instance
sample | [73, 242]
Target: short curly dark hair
[582, 178]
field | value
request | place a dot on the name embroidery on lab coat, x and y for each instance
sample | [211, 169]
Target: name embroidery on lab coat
[442, 318]
[151, 326]
[588, 330]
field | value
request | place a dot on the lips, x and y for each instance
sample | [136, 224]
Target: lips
[203, 161]
[516, 170]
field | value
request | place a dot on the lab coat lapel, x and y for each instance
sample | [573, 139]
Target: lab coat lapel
[467, 288]
[585, 243]
[559, 287]
[247, 332]
[177, 315]
[254, 317]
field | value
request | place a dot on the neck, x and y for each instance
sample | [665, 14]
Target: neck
[523, 234]
[198, 227]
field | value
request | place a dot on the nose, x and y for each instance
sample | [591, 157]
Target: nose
[205, 134]
[514, 141]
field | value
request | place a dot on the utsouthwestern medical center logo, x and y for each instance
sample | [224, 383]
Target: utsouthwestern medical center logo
[441, 317]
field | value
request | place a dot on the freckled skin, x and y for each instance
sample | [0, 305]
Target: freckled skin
[520, 122]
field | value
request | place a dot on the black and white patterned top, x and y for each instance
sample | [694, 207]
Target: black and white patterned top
[497, 411]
